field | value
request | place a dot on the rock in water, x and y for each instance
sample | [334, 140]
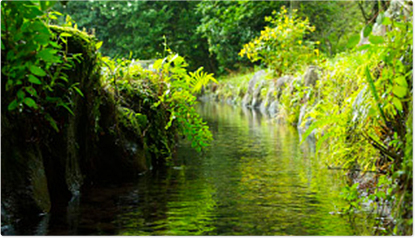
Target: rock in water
[256, 100]
[251, 85]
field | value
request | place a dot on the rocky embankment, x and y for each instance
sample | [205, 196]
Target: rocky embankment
[264, 93]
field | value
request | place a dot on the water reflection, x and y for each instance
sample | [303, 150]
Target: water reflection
[255, 180]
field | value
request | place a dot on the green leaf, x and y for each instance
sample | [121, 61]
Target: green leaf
[20, 94]
[31, 91]
[47, 55]
[397, 102]
[42, 39]
[40, 27]
[353, 40]
[30, 102]
[2, 46]
[13, 105]
[399, 91]
[65, 34]
[52, 122]
[386, 21]
[37, 71]
[43, 5]
[401, 81]
[67, 108]
[56, 13]
[34, 80]
[54, 44]
[364, 47]
[32, 12]
[374, 92]
[376, 39]
[367, 30]
[79, 91]
[99, 44]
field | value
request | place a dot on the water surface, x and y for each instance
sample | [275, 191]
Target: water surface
[256, 179]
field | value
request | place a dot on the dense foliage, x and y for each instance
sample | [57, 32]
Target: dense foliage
[139, 27]
[281, 46]
[207, 33]
[359, 107]
[361, 103]
[35, 66]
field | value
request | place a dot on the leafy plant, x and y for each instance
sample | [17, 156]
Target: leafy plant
[178, 96]
[364, 103]
[281, 45]
[35, 64]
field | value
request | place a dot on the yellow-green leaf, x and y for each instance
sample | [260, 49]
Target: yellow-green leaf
[99, 44]
[376, 39]
[353, 41]
[399, 91]
[65, 34]
[401, 81]
[397, 102]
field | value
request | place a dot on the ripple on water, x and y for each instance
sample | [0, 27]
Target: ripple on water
[255, 180]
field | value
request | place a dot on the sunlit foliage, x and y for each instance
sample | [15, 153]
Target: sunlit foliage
[281, 45]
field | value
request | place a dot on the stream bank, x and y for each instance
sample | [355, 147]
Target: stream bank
[46, 164]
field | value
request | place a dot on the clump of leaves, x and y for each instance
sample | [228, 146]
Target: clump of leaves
[178, 96]
[169, 87]
[281, 45]
[365, 102]
[34, 62]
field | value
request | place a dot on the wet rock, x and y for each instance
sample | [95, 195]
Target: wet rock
[304, 123]
[311, 76]
[257, 76]
[247, 100]
[257, 99]
[269, 98]
[273, 108]
[283, 81]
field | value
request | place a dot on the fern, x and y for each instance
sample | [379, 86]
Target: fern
[198, 79]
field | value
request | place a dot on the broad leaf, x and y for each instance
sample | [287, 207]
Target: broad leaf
[376, 39]
[367, 30]
[399, 91]
[353, 40]
[13, 105]
[30, 102]
[401, 81]
[34, 80]
[398, 104]
[37, 71]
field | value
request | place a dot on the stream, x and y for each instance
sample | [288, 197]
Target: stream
[256, 179]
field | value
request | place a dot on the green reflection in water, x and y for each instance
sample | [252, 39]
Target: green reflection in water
[255, 180]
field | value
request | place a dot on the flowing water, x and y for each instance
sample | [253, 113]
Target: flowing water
[256, 179]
